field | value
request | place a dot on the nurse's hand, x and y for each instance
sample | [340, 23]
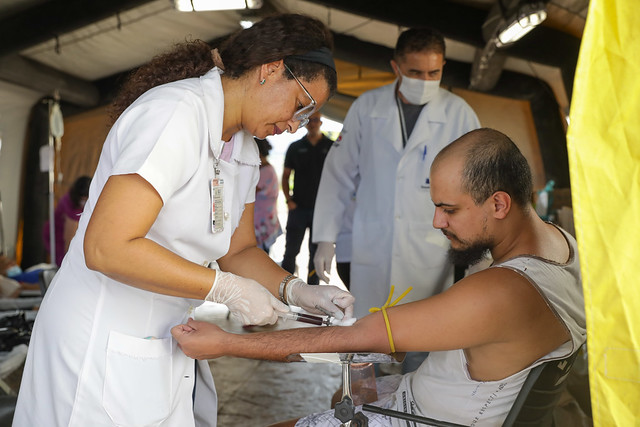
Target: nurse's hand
[248, 301]
[199, 340]
[322, 259]
[320, 299]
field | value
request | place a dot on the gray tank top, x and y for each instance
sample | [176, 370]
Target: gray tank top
[559, 284]
[442, 387]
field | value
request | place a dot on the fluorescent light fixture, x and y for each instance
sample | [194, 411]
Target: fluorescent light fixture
[204, 5]
[529, 16]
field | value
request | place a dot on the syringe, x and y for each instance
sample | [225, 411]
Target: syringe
[306, 318]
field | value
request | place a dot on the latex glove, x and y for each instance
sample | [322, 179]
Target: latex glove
[248, 301]
[322, 259]
[320, 299]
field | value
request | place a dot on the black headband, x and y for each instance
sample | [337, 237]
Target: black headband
[321, 56]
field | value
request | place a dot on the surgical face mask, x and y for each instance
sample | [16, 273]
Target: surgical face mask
[13, 271]
[417, 91]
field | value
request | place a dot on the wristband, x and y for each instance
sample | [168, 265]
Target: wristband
[283, 286]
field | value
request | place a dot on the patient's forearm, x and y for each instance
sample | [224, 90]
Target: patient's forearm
[278, 345]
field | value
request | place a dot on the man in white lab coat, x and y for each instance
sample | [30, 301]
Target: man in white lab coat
[384, 154]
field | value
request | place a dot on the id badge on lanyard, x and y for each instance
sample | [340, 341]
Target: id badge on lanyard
[217, 201]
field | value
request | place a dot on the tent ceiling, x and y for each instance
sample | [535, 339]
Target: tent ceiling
[82, 42]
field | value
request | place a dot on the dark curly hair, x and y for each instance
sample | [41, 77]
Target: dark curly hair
[264, 146]
[273, 38]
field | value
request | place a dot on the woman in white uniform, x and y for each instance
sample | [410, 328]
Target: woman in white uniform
[174, 191]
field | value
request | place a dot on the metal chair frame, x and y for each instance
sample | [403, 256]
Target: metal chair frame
[533, 406]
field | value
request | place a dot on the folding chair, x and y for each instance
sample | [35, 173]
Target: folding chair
[533, 406]
[540, 394]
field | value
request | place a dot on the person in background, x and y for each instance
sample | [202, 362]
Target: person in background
[305, 159]
[66, 217]
[10, 287]
[13, 280]
[389, 139]
[174, 193]
[486, 332]
[265, 217]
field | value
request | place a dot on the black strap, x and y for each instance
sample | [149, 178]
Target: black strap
[458, 272]
[408, 417]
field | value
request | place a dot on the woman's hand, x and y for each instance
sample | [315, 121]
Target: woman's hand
[248, 301]
[199, 340]
[320, 299]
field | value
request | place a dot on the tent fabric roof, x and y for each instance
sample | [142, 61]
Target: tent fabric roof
[78, 48]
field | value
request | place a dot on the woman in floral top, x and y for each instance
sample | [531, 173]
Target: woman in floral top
[265, 218]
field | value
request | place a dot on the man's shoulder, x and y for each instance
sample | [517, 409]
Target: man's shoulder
[374, 102]
[326, 140]
[373, 95]
[455, 105]
[450, 98]
[494, 281]
[297, 144]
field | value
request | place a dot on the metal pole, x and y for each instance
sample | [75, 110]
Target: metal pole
[3, 248]
[409, 417]
[52, 225]
[56, 130]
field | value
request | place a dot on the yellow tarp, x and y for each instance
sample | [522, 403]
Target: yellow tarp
[604, 162]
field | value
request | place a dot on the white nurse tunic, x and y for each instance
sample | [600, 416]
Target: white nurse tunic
[101, 352]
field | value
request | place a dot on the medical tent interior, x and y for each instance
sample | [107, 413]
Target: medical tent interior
[567, 93]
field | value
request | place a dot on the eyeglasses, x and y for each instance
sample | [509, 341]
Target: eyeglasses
[302, 115]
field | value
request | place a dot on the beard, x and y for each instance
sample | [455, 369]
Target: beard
[470, 255]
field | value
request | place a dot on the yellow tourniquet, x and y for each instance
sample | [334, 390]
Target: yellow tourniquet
[384, 313]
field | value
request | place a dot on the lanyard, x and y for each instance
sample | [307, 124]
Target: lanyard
[216, 166]
[216, 159]
[217, 196]
[403, 125]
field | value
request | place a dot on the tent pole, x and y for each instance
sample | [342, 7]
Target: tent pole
[52, 225]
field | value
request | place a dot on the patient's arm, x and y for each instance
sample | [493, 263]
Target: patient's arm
[202, 340]
[447, 321]
[497, 316]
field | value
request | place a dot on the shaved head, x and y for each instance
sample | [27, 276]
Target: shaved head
[491, 162]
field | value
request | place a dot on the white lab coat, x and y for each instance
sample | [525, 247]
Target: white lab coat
[394, 242]
[343, 240]
[101, 353]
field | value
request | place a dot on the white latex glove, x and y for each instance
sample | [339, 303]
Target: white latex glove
[248, 301]
[322, 259]
[320, 299]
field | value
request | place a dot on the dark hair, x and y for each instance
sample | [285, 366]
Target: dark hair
[278, 37]
[492, 162]
[79, 189]
[419, 40]
[273, 38]
[189, 59]
[263, 146]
